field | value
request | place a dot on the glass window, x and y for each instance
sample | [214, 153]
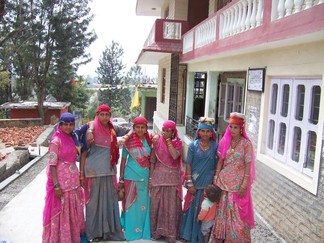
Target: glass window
[274, 96]
[311, 147]
[296, 144]
[285, 100]
[300, 102]
[282, 138]
[271, 134]
[316, 96]
[291, 139]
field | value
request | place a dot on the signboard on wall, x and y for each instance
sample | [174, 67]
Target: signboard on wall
[255, 80]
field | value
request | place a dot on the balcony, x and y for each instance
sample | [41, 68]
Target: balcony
[164, 38]
[250, 25]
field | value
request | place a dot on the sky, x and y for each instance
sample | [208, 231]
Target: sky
[116, 20]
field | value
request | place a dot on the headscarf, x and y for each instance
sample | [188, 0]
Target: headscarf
[245, 203]
[106, 137]
[103, 108]
[206, 123]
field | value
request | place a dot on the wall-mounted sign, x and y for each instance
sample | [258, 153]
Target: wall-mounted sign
[256, 79]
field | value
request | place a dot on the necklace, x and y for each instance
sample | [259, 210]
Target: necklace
[204, 147]
[234, 144]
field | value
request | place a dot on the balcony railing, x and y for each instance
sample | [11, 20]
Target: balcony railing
[244, 16]
[166, 31]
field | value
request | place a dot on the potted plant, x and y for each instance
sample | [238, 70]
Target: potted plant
[54, 120]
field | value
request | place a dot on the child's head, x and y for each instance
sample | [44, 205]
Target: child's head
[213, 193]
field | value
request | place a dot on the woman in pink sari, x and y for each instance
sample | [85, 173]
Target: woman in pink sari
[235, 173]
[63, 216]
[166, 184]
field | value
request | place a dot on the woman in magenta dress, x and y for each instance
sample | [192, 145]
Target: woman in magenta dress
[235, 174]
[63, 216]
[165, 184]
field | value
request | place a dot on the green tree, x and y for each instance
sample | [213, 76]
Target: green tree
[51, 42]
[110, 75]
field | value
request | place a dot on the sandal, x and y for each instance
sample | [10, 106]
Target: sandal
[97, 239]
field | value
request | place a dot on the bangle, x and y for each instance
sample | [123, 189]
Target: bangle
[121, 181]
[56, 186]
[81, 177]
[246, 175]
[188, 181]
[188, 176]
[89, 130]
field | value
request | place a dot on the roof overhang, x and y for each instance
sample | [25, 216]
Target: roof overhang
[149, 7]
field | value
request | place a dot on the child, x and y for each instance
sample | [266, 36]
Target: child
[208, 209]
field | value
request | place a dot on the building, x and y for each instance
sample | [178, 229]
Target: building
[29, 109]
[264, 58]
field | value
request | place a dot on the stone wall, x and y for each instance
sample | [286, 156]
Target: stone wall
[26, 122]
[294, 213]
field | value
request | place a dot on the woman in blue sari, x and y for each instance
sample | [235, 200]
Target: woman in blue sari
[200, 170]
[134, 179]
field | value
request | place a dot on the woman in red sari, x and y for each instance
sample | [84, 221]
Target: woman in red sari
[235, 173]
[165, 184]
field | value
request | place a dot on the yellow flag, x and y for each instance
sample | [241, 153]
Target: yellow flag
[135, 100]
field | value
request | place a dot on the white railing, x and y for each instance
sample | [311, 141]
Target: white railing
[242, 16]
[205, 33]
[172, 30]
[188, 42]
[151, 38]
[283, 8]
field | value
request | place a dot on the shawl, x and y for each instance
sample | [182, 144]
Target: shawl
[137, 150]
[106, 138]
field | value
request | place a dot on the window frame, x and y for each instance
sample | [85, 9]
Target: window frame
[302, 177]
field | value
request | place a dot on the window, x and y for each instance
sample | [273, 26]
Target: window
[231, 98]
[163, 85]
[292, 128]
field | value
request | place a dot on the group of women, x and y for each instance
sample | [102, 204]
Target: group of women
[150, 184]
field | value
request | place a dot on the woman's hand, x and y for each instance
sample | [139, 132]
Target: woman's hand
[241, 191]
[83, 183]
[121, 141]
[90, 138]
[155, 138]
[58, 192]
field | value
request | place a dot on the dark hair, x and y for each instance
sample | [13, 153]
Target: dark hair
[213, 193]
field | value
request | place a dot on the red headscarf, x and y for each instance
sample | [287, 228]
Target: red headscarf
[103, 108]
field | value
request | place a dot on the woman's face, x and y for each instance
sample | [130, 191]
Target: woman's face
[235, 130]
[167, 133]
[205, 134]
[104, 117]
[140, 130]
[67, 127]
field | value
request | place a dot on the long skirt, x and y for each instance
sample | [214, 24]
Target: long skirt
[136, 217]
[102, 210]
[190, 227]
[69, 223]
[228, 224]
[166, 207]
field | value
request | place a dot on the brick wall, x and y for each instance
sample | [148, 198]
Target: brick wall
[26, 122]
[294, 213]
